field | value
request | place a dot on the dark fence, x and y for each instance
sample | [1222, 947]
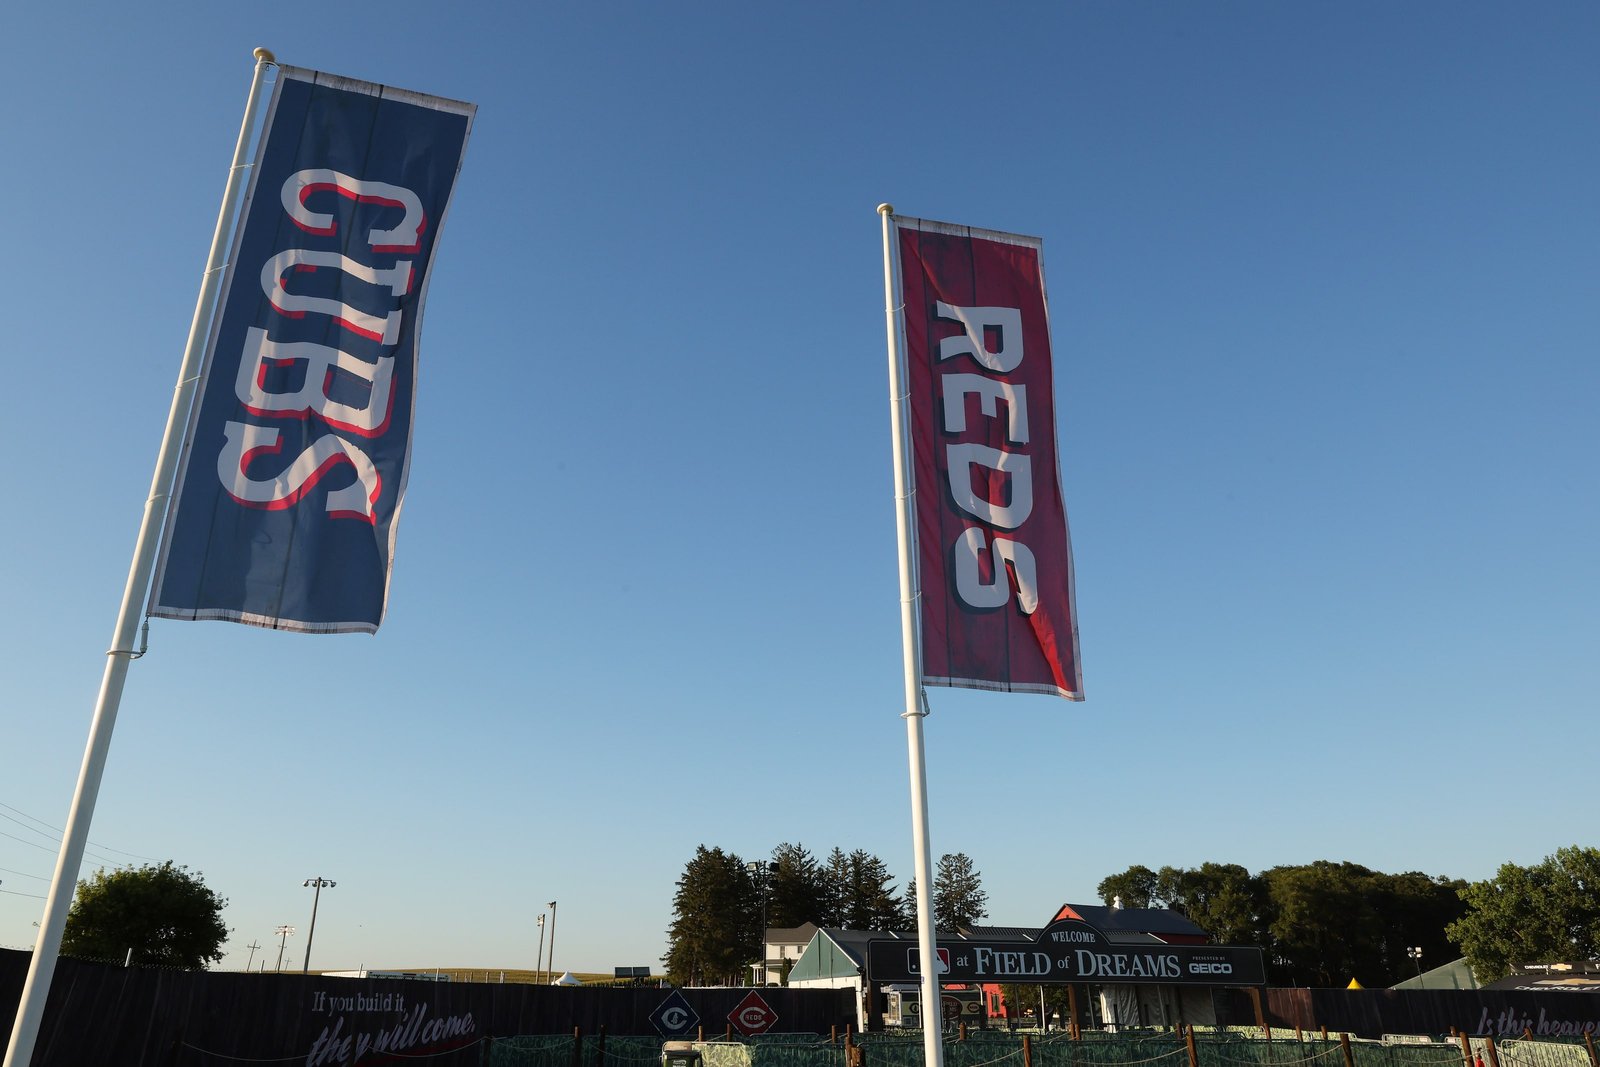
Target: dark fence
[1004, 1049]
[134, 1017]
[1375, 1012]
[137, 1017]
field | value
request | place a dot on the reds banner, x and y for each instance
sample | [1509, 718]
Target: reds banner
[993, 553]
[295, 462]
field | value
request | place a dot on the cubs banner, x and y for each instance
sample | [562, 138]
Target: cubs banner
[294, 467]
[993, 554]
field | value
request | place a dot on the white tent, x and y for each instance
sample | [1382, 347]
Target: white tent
[566, 979]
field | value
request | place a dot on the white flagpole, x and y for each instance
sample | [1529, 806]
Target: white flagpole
[911, 649]
[36, 990]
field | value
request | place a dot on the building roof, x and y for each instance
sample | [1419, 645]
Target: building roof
[840, 953]
[1453, 975]
[1118, 923]
[1581, 977]
[1000, 933]
[832, 954]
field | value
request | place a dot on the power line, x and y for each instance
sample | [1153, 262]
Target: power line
[25, 826]
[25, 874]
[14, 893]
[56, 848]
[25, 815]
[25, 841]
[58, 832]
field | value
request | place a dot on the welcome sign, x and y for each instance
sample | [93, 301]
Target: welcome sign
[1067, 951]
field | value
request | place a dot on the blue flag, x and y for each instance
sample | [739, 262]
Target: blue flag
[294, 466]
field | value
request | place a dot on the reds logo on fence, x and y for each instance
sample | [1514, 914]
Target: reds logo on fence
[753, 1015]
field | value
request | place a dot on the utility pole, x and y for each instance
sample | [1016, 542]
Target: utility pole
[762, 874]
[552, 940]
[538, 971]
[252, 946]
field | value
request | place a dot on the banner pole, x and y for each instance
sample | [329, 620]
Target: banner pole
[911, 651]
[36, 989]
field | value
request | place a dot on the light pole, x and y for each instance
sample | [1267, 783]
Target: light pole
[538, 970]
[283, 932]
[552, 969]
[319, 882]
[762, 876]
[1415, 952]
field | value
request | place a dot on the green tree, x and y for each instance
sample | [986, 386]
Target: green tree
[166, 915]
[959, 901]
[1134, 886]
[716, 912]
[1223, 899]
[796, 891]
[1417, 910]
[860, 892]
[836, 879]
[908, 906]
[871, 903]
[1546, 913]
[1321, 923]
[1327, 923]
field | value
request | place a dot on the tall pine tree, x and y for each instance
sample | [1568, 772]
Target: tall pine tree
[859, 892]
[796, 892]
[959, 901]
[715, 915]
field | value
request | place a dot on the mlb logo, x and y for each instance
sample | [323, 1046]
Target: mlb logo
[914, 960]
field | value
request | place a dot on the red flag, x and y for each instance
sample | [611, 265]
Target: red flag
[995, 561]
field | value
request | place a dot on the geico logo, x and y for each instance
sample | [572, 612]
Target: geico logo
[1210, 968]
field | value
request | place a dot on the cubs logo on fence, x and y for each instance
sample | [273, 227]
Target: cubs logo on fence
[674, 1016]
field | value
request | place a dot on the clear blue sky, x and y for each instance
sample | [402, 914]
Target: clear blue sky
[1324, 281]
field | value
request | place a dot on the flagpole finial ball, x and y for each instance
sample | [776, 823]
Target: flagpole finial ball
[264, 55]
[886, 209]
